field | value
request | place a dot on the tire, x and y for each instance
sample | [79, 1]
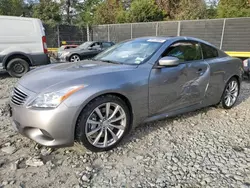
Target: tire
[17, 67]
[83, 128]
[74, 58]
[234, 93]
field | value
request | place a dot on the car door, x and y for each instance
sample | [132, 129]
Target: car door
[96, 48]
[93, 51]
[172, 88]
[198, 74]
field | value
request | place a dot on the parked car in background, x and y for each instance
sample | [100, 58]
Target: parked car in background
[98, 101]
[22, 44]
[84, 51]
[65, 47]
[246, 65]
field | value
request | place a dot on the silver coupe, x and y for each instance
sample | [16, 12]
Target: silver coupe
[98, 101]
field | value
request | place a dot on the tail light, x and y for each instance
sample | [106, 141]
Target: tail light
[45, 48]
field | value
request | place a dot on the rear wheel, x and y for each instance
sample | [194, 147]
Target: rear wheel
[74, 58]
[17, 67]
[103, 123]
[231, 93]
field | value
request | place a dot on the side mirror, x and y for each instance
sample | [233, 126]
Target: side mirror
[169, 61]
[90, 48]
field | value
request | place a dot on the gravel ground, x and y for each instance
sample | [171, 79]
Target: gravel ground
[206, 148]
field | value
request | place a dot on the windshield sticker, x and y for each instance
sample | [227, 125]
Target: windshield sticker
[156, 40]
[138, 60]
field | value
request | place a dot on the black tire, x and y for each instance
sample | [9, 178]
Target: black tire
[17, 67]
[223, 100]
[80, 133]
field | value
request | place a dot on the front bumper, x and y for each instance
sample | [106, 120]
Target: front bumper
[53, 128]
[62, 59]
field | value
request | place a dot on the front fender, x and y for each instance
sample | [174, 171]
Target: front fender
[81, 99]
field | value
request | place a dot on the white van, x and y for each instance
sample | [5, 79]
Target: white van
[22, 44]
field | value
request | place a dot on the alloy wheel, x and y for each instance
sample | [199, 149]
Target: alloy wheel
[231, 94]
[74, 58]
[105, 125]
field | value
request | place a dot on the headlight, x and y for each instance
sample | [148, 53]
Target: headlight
[54, 99]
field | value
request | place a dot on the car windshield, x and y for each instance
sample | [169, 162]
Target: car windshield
[130, 52]
[85, 45]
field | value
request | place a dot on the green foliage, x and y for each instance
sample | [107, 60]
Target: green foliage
[68, 8]
[86, 11]
[89, 12]
[48, 11]
[191, 9]
[233, 8]
[107, 11]
[145, 11]
[11, 7]
[170, 7]
[212, 9]
[113, 11]
[123, 17]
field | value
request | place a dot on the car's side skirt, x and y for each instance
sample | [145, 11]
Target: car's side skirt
[175, 113]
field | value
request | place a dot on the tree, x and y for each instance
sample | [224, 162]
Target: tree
[48, 11]
[170, 7]
[11, 7]
[68, 8]
[107, 11]
[191, 9]
[212, 6]
[86, 11]
[28, 7]
[145, 11]
[233, 8]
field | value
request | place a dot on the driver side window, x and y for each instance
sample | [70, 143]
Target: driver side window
[184, 51]
[96, 45]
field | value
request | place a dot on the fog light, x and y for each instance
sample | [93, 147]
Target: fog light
[45, 133]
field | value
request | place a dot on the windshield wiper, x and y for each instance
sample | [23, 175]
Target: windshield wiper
[106, 61]
[109, 61]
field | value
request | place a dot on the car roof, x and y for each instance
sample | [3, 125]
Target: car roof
[168, 38]
[101, 41]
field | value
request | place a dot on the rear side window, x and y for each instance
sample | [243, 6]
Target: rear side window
[209, 52]
[106, 44]
[185, 51]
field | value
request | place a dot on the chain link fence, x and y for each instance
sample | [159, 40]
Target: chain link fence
[68, 33]
[232, 34]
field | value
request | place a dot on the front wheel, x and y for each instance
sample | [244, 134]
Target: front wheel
[74, 58]
[103, 123]
[231, 93]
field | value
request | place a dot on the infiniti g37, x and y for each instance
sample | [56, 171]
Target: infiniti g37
[97, 102]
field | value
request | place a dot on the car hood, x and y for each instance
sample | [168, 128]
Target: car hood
[74, 50]
[48, 76]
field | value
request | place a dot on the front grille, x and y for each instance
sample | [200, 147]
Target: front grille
[18, 97]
